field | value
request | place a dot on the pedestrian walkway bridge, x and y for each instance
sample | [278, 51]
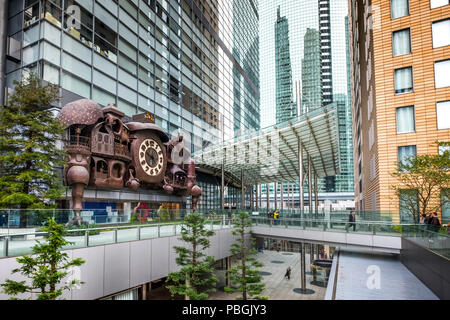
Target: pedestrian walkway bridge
[371, 235]
[376, 235]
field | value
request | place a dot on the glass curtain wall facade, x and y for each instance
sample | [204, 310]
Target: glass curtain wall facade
[192, 63]
[318, 45]
[285, 107]
[311, 72]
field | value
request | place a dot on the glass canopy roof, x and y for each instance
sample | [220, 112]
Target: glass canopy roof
[271, 154]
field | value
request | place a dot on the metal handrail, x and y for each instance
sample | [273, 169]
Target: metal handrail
[109, 228]
[336, 221]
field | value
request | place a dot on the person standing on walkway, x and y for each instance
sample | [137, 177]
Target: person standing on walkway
[351, 220]
[428, 227]
[435, 223]
[427, 219]
[288, 273]
[275, 217]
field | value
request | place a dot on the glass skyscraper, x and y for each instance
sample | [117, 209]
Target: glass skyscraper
[318, 49]
[285, 108]
[193, 64]
[311, 72]
[325, 31]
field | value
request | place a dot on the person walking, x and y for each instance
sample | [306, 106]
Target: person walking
[435, 223]
[427, 219]
[351, 220]
[288, 273]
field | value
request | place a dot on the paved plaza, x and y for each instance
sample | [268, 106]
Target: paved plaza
[278, 287]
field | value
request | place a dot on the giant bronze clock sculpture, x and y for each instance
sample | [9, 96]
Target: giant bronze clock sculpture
[106, 153]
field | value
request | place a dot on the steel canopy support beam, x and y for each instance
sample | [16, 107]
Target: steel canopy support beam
[275, 194]
[316, 196]
[257, 196]
[309, 187]
[222, 189]
[289, 195]
[301, 178]
[251, 198]
[260, 196]
[302, 267]
[242, 190]
[281, 196]
[293, 195]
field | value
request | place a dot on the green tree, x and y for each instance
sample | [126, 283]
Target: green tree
[423, 180]
[196, 278]
[245, 274]
[29, 154]
[46, 267]
[163, 213]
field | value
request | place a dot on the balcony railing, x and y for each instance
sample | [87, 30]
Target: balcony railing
[78, 141]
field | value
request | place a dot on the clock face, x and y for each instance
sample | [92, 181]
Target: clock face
[151, 157]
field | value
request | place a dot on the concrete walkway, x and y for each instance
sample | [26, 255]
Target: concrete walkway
[364, 276]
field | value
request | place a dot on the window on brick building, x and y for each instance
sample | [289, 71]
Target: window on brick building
[441, 74]
[443, 115]
[438, 3]
[441, 33]
[403, 79]
[406, 153]
[399, 8]
[401, 42]
[405, 119]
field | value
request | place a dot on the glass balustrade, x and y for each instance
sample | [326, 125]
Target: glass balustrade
[20, 228]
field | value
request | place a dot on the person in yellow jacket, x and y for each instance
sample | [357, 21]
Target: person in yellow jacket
[275, 217]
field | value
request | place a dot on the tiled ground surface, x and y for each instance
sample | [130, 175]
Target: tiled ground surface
[277, 287]
[396, 281]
